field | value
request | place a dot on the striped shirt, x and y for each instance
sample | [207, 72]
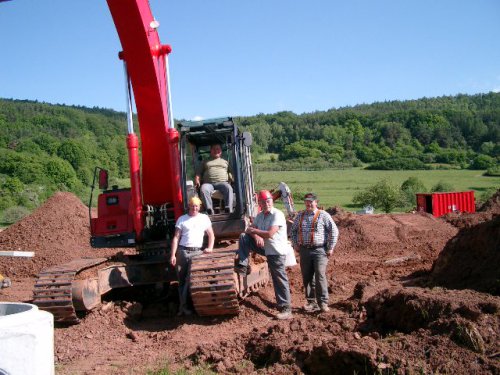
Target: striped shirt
[325, 235]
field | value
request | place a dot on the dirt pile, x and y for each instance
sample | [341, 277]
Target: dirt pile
[471, 259]
[377, 323]
[396, 331]
[57, 232]
[492, 205]
[338, 213]
[409, 309]
[489, 210]
[387, 234]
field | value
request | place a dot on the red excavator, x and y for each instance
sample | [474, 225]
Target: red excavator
[162, 164]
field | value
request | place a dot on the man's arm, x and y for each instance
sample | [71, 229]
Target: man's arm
[174, 245]
[229, 173]
[211, 240]
[198, 174]
[263, 233]
[332, 234]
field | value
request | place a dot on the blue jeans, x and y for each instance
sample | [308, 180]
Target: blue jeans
[313, 264]
[224, 187]
[277, 269]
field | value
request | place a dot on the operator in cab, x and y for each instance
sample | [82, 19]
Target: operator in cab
[215, 174]
[186, 244]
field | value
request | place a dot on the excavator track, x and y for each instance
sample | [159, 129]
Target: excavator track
[215, 287]
[55, 290]
[213, 283]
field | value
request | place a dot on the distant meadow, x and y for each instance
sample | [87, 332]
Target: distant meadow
[336, 187]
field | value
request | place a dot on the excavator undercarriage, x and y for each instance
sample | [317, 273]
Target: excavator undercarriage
[73, 288]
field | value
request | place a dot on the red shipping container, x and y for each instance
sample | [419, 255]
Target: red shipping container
[439, 204]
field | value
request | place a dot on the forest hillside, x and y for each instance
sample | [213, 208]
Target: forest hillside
[46, 147]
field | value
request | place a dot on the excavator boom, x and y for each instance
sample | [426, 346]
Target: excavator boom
[146, 64]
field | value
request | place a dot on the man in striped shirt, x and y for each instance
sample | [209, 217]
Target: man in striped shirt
[314, 236]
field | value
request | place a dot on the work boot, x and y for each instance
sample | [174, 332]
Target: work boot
[285, 314]
[184, 311]
[324, 307]
[311, 307]
[242, 270]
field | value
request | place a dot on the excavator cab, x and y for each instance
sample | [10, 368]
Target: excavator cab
[196, 138]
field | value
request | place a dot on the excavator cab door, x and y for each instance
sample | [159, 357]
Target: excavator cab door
[196, 137]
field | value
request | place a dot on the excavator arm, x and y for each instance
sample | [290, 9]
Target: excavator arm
[154, 200]
[155, 179]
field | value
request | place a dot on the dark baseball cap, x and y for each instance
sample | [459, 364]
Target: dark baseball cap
[310, 197]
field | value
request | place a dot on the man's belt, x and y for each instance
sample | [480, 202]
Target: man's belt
[312, 246]
[190, 248]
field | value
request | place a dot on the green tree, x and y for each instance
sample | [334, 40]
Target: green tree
[73, 152]
[48, 143]
[441, 187]
[13, 214]
[12, 185]
[482, 162]
[411, 186]
[60, 172]
[382, 195]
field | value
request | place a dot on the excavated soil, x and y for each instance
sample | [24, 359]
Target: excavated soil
[389, 313]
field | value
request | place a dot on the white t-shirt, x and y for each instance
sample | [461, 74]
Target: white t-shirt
[193, 229]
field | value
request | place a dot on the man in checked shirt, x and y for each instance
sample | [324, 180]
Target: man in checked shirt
[314, 236]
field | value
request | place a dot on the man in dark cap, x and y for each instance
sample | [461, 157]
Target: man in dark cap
[314, 236]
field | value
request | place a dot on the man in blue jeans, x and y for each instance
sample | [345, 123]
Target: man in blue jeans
[267, 236]
[314, 236]
[215, 174]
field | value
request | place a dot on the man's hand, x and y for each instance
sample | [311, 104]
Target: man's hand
[208, 250]
[329, 253]
[259, 241]
[173, 261]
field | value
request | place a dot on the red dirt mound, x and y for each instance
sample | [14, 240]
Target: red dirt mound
[338, 212]
[409, 309]
[471, 259]
[57, 232]
[375, 253]
[453, 333]
[404, 233]
[489, 210]
[492, 205]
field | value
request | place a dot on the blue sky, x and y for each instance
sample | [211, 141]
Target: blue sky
[261, 56]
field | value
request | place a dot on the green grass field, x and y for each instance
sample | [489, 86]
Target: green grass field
[337, 187]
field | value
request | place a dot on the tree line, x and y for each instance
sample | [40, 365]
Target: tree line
[460, 131]
[46, 148]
